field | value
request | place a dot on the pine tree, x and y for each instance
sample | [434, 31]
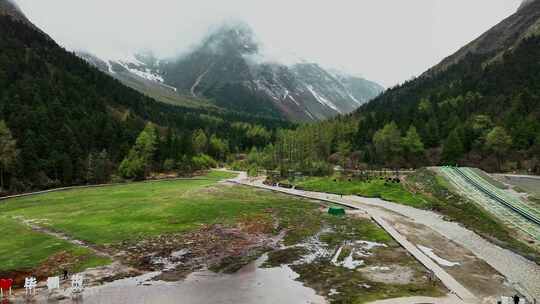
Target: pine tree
[498, 141]
[388, 141]
[453, 148]
[8, 151]
[200, 142]
[412, 144]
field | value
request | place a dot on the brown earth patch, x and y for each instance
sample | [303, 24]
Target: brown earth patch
[49, 267]
[219, 247]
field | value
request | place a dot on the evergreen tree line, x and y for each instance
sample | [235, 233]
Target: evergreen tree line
[63, 122]
[478, 112]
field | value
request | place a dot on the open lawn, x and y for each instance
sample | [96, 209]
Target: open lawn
[111, 214]
[105, 215]
[375, 188]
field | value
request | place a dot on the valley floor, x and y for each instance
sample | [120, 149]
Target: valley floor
[158, 242]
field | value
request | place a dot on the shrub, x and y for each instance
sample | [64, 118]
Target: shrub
[202, 162]
[239, 165]
[169, 164]
[320, 168]
[253, 171]
[132, 168]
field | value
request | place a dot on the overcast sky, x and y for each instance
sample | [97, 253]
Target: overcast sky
[388, 41]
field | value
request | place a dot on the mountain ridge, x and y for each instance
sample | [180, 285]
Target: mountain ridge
[504, 36]
[228, 69]
[12, 9]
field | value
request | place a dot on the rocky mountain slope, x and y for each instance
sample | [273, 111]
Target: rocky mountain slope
[141, 72]
[11, 9]
[229, 69]
[505, 36]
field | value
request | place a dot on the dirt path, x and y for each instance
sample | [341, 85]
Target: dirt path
[93, 277]
[521, 273]
[36, 227]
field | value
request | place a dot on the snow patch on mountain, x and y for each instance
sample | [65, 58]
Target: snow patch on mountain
[323, 100]
[147, 74]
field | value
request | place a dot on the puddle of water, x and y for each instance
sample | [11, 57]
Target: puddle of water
[349, 262]
[316, 248]
[251, 284]
[429, 252]
[170, 263]
[367, 245]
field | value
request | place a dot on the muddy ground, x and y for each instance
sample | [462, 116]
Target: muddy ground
[217, 247]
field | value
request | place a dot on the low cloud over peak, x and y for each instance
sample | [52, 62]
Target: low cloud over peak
[360, 36]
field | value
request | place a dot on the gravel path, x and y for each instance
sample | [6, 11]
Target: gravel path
[523, 274]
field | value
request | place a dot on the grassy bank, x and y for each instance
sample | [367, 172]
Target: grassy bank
[100, 216]
[23, 249]
[394, 192]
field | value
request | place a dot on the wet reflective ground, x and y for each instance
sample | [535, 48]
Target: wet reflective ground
[251, 284]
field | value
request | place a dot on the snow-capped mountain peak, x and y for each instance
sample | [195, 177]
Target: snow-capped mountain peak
[231, 68]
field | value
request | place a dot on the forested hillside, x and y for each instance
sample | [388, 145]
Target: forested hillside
[63, 122]
[482, 111]
[473, 113]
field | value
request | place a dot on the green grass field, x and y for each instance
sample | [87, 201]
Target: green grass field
[22, 248]
[109, 215]
[376, 188]
[106, 215]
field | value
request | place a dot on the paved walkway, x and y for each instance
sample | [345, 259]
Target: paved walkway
[453, 285]
[523, 274]
[520, 176]
[451, 299]
[449, 281]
